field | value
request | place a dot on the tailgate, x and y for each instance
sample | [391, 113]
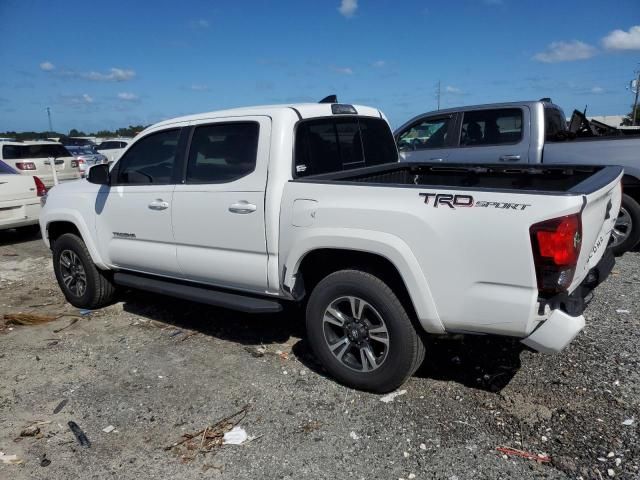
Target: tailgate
[14, 189]
[599, 213]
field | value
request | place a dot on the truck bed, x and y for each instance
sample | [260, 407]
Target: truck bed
[568, 180]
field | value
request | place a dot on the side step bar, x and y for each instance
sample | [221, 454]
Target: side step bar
[218, 298]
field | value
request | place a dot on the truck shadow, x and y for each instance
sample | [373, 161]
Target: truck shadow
[238, 327]
[480, 362]
[16, 237]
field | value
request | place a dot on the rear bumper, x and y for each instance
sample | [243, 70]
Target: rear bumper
[566, 319]
[24, 215]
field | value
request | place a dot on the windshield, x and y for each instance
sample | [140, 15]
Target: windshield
[6, 169]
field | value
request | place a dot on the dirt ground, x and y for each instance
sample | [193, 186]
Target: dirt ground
[156, 369]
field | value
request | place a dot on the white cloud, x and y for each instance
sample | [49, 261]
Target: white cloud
[199, 88]
[128, 96]
[47, 66]
[597, 90]
[566, 52]
[621, 40]
[86, 98]
[453, 90]
[200, 23]
[348, 8]
[343, 70]
[379, 63]
[114, 75]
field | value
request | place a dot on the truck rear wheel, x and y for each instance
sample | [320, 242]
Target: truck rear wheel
[83, 285]
[626, 231]
[361, 333]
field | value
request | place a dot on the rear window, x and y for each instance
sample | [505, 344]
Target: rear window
[4, 168]
[334, 144]
[16, 152]
[110, 145]
[555, 125]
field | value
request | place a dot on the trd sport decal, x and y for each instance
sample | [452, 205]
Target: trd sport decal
[465, 201]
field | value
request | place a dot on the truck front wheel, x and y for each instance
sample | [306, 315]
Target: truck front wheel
[626, 232]
[83, 285]
[361, 333]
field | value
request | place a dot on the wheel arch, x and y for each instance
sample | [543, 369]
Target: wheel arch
[395, 265]
[69, 223]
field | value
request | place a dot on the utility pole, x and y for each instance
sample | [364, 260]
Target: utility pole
[438, 94]
[49, 117]
[635, 102]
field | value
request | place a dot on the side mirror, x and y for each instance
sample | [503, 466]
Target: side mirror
[99, 174]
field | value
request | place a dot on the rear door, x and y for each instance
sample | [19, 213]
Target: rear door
[428, 139]
[218, 211]
[497, 135]
[133, 214]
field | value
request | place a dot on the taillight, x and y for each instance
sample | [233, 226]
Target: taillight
[40, 188]
[25, 165]
[556, 247]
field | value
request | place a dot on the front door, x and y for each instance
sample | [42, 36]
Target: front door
[218, 212]
[133, 214]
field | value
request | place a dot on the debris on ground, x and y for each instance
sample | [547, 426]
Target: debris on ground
[354, 436]
[282, 355]
[620, 310]
[84, 312]
[209, 438]
[73, 322]
[10, 459]
[235, 436]
[256, 352]
[60, 406]
[628, 422]
[108, 429]
[30, 431]
[28, 318]
[44, 461]
[311, 426]
[79, 434]
[389, 397]
[521, 453]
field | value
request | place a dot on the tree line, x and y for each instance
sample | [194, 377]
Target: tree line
[130, 131]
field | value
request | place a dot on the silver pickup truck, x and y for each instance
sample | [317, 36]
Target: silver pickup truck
[533, 132]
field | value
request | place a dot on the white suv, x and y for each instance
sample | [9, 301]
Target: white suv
[113, 148]
[32, 158]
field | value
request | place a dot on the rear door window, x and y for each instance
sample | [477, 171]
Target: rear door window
[222, 153]
[334, 144]
[491, 127]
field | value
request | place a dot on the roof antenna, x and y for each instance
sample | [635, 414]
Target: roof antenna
[329, 99]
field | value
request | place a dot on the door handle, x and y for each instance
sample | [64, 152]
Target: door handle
[242, 207]
[510, 158]
[437, 159]
[159, 204]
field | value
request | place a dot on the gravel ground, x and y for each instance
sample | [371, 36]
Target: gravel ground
[156, 368]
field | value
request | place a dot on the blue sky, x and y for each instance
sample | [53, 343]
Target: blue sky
[124, 63]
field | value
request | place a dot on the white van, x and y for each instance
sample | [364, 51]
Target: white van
[32, 158]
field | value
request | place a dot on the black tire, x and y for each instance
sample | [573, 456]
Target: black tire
[404, 351]
[99, 290]
[624, 238]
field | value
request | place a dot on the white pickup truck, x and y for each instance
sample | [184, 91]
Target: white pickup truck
[252, 208]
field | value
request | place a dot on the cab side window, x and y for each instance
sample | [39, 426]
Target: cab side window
[491, 127]
[150, 161]
[222, 153]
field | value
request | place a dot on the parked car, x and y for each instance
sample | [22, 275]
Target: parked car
[19, 199]
[32, 158]
[526, 133]
[253, 208]
[113, 148]
[86, 156]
